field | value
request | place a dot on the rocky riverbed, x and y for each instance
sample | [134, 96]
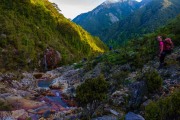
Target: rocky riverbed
[33, 97]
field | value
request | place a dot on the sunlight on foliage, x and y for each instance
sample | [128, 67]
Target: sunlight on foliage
[29, 26]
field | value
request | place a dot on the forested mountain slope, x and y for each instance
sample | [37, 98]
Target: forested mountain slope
[139, 18]
[105, 15]
[145, 20]
[28, 27]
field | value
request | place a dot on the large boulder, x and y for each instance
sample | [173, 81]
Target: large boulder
[120, 97]
[20, 114]
[138, 91]
[67, 79]
[51, 58]
[94, 72]
[106, 117]
[133, 116]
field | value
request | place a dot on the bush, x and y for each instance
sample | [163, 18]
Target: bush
[78, 65]
[153, 80]
[5, 106]
[92, 90]
[164, 109]
[120, 78]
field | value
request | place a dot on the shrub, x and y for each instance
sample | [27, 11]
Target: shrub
[120, 78]
[5, 106]
[153, 80]
[92, 90]
[165, 108]
[78, 65]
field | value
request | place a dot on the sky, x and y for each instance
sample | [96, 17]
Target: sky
[72, 8]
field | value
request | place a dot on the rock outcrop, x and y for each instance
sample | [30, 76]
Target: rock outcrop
[51, 59]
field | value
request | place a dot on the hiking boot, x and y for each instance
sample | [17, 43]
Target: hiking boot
[161, 66]
[165, 64]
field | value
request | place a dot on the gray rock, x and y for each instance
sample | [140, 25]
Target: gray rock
[114, 112]
[133, 116]
[23, 93]
[3, 36]
[16, 84]
[1, 78]
[145, 104]
[113, 18]
[20, 114]
[67, 79]
[120, 97]
[95, 72]
[4, 115]
[5, 95]
[46, 114]
[125, 67]
[106, 118]
[138, 91]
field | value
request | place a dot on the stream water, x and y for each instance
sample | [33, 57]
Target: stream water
[44, 83]
[52, 103]
[54, 99]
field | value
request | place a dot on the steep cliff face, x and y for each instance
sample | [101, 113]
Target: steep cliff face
[29, 27]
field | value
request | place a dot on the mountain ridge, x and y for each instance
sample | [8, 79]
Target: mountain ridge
[103, 16]
[148, 16]
[151, 16]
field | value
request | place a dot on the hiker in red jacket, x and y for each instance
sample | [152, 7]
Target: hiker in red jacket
[165, 48]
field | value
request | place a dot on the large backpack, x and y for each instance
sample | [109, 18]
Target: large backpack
[168, 44]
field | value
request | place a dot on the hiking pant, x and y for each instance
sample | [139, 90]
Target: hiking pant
[163, 55]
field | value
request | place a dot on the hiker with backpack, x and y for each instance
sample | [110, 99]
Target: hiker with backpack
[165, 47]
